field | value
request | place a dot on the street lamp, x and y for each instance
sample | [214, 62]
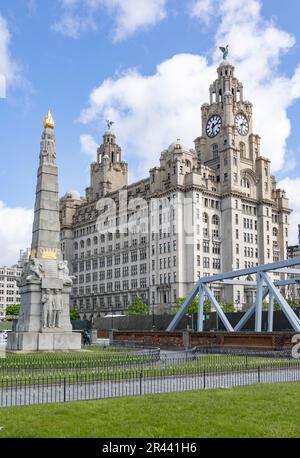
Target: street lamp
[153, 318]
[112, 318]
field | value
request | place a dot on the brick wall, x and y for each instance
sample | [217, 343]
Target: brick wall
[262, 340]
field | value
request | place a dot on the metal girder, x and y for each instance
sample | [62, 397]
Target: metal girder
[252, 270]
[200, 308]
[288, 271]
[270, 312]
[184, 306]
[201, 289]
[288, 281]
[287, 310]
[218, 309]
[249, 312]
[258, 302]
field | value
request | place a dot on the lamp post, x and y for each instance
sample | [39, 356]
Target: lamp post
[153, 318]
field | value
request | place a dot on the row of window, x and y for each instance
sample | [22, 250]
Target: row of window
[111, 287]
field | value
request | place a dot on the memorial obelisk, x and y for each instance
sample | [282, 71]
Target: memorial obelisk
[45, 285]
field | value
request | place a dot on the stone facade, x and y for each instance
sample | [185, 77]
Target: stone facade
[9, 290]
[201, 211]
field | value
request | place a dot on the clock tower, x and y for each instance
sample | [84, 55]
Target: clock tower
[250, 201]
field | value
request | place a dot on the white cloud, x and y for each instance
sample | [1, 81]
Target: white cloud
[9, 70]
[73, 25]
[131, 15]
[88, 145]
[15, 232]
[151, 111]
[204, 10]
[292, 188]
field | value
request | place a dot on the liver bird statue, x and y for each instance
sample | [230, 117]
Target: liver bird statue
[224, 51]
[109, 123]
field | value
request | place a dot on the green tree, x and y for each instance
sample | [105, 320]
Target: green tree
[228, 308]
[74, 315]
[13, 310]
[138, 307]
[193, 308]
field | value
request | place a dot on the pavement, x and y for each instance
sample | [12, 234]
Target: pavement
[64, 392]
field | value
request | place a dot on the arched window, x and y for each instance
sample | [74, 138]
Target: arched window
[275, 232]
[95, 240]
[205, 218]
[76, 245]
[215, 220]
[188, 164]
[82, 244]
[88, 242]
[245, 183]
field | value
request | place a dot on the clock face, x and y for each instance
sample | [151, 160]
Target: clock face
[213, 126]
[241, 123]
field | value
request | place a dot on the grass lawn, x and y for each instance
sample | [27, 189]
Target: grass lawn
[255, 411]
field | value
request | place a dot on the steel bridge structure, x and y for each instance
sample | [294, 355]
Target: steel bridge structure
[265, 287]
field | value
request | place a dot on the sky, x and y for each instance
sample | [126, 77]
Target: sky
[146, 65]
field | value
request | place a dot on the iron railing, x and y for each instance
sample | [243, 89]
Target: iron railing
[169, 375]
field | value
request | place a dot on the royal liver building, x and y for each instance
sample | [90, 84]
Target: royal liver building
[201, 211]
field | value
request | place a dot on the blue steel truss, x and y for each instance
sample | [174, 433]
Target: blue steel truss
[265, 286]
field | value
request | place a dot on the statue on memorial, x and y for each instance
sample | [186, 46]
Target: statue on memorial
[47, 316]
[65, 273]
[57, 308]
[37, 271]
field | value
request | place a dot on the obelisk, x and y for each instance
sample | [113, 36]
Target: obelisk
[45, 285]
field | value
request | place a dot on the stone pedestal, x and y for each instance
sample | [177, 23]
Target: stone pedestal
[43, 341]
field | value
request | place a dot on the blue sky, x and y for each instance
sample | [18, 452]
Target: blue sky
[149, 63]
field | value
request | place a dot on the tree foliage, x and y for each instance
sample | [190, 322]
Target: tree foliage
[228, 308]
[74, 315]
[13, 310]
[193, 308]
[138, 307]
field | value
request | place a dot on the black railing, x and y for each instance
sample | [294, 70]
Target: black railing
[165, 375]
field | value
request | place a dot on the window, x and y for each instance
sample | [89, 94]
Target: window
[236, 218]
[215, 220]
[215, 150]
[205, 218]
[216, 263]
[245, 183]
[242, 149]
[215, 233]
[205, 246]
[216, 248]
[206, 263]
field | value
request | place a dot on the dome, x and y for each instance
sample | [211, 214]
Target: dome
[105, 157]
[228, 93]
[205, 105]
[176, 145]
[73, 195]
